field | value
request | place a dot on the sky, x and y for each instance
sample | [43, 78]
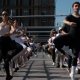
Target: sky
[63, 7]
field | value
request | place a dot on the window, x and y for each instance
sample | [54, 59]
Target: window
[25, 3]
[13, 12]
[12, 3]
[25, 21]
[25, 12]
[44, 2]
[1, 3]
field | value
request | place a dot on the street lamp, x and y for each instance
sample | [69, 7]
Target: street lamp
[11, 14]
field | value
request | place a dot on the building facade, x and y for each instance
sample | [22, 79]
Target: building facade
[36, 15]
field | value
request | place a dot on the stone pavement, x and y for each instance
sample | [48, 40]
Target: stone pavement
[40, 68]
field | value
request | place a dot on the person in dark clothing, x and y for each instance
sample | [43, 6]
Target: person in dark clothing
[6, 44]
[4, 40]
[61, 40]
[62, 32]
[65, 30]
[73, 21]
[71, 39]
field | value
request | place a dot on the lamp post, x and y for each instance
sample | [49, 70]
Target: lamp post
[11, 14]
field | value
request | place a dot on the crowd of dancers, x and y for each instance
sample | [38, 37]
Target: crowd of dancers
[13, 38]
[68, 35]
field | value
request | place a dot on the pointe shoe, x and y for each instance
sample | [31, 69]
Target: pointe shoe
[16, 69]
[9, 77]
[57, 65]
[53, 63]
[63, 66]
[72, 76]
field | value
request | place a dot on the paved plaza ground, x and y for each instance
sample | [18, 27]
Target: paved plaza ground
[40, 68]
